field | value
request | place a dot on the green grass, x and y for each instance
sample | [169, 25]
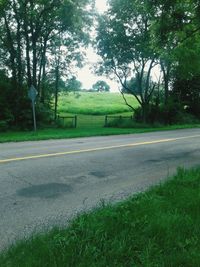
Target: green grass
[57, 133]
[94, 103]
[92, 121]
[158, 228]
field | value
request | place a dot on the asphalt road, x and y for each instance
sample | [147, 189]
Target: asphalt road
[45, 183]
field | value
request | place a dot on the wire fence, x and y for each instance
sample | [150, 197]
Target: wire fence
[67, 121]
[90, 121]
[116, 120]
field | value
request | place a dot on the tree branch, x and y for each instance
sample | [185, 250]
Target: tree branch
[125, 86]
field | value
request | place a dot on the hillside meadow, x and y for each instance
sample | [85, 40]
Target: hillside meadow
[91, 103]
[92, 107]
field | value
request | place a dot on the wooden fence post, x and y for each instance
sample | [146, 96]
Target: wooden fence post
[106, 121]
[75, 125]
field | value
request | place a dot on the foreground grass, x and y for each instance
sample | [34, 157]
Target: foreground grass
[56, 133]
[159, 228]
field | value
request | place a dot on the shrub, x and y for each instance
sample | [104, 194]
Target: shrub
[172, 113]
[3, 126]
[44, 114]
[120, 122]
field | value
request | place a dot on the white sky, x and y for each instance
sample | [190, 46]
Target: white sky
[101, 5]
[86, 74]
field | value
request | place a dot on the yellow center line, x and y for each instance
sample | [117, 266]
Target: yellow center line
[96, 149]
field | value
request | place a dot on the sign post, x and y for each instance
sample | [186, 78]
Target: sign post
[32, 94]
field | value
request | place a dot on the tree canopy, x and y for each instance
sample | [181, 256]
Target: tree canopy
[73, 85]
[39, 38]
[135, 37]
[126, 46]
[101, 86]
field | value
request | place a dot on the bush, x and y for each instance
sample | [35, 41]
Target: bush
[120, 122]
[172, 113]
[66, 123]
[3, 126]
[44, 114]
[186, 91]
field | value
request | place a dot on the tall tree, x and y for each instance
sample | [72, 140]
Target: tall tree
[28, 33]
[176, 27]
[125, 44]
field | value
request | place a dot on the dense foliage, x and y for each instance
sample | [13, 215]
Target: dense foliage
[39, 42]
[137, 39]
[101, 86]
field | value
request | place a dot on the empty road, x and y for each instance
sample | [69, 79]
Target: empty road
[45, 183]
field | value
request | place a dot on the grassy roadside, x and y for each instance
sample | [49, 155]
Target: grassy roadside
[56, 133]
[160, 227]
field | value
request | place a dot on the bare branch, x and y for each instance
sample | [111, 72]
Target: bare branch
[125, 86]
[126, 101]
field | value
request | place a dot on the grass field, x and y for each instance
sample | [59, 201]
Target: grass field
[94, 103]
[158, 228]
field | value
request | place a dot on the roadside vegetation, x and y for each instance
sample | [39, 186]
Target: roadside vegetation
[88, 124]
[160, 227]
[57, 133]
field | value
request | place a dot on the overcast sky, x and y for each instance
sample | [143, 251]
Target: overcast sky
[86, 75]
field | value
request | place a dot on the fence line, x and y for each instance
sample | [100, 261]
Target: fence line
[115, 117]
[74, 119]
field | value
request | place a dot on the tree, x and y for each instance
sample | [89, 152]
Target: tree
[187, 92]
[133, 86]
[31, 31]
[73, 85]
[124, 42]
[176, 27]
[101, 86]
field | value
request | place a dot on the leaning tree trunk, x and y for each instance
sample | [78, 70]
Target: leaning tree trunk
[56, 93]
[166, 73]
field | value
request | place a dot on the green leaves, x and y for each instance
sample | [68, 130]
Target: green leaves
[37, 36]
[101, 86]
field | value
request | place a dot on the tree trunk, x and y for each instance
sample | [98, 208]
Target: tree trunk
[144, 107]
[13, 60]
[42, 73]
[56, 93]
[166, 73]
[27, 49]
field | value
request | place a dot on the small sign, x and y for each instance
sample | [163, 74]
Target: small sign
[32, 93]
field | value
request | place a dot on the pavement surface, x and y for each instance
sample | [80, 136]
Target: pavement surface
[46, 183]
